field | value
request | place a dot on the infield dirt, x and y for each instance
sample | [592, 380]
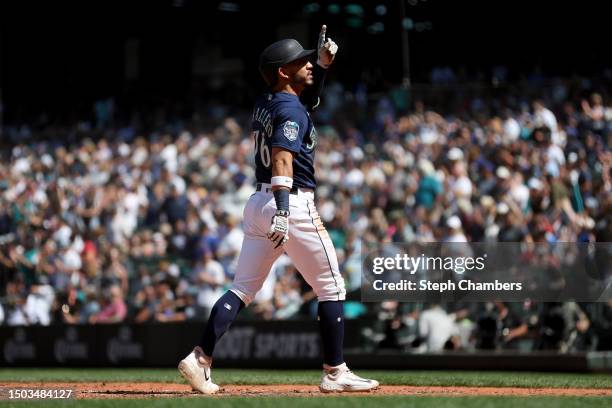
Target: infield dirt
[124, 390]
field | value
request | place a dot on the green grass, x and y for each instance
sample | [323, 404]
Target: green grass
[228, 376]
[337, 402]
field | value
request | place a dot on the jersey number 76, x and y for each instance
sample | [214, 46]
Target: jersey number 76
[261, 148]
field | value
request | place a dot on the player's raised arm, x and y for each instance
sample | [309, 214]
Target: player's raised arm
[327, 50]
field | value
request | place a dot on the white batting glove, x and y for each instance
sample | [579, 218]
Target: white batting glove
[327, 49]
[279, 228]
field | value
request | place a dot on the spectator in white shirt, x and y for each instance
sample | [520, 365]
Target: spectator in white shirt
[544, 117]
[38, 304]
[210, 278]
[230, 245]
[436, 328]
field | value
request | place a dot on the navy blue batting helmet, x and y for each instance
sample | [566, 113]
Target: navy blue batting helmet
[278, 54]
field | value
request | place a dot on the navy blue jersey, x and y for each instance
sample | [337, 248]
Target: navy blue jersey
[280, 120]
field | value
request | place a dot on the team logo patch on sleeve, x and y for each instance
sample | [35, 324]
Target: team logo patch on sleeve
[290, 130]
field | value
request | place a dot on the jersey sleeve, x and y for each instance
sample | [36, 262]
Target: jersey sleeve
[290, 126]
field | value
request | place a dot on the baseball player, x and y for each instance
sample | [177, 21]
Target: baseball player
[281, 215]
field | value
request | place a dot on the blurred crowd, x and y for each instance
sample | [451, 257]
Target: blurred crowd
[103, 222]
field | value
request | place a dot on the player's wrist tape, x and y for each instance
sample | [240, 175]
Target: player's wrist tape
[281, 196]
[281, 181]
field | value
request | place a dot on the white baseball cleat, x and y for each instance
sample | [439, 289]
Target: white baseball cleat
[341, 379]
[195, 368]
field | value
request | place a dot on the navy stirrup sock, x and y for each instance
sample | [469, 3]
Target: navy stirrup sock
[331, 325]
[222, 315]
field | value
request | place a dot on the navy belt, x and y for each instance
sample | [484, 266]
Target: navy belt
[266, 189]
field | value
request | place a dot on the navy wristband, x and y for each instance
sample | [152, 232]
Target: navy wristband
[281, 196]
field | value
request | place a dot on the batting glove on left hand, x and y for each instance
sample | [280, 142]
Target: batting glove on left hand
[279, 229]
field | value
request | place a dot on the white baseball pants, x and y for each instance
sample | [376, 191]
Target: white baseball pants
[309, 247]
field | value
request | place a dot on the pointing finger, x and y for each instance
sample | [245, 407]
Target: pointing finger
[322, 35]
